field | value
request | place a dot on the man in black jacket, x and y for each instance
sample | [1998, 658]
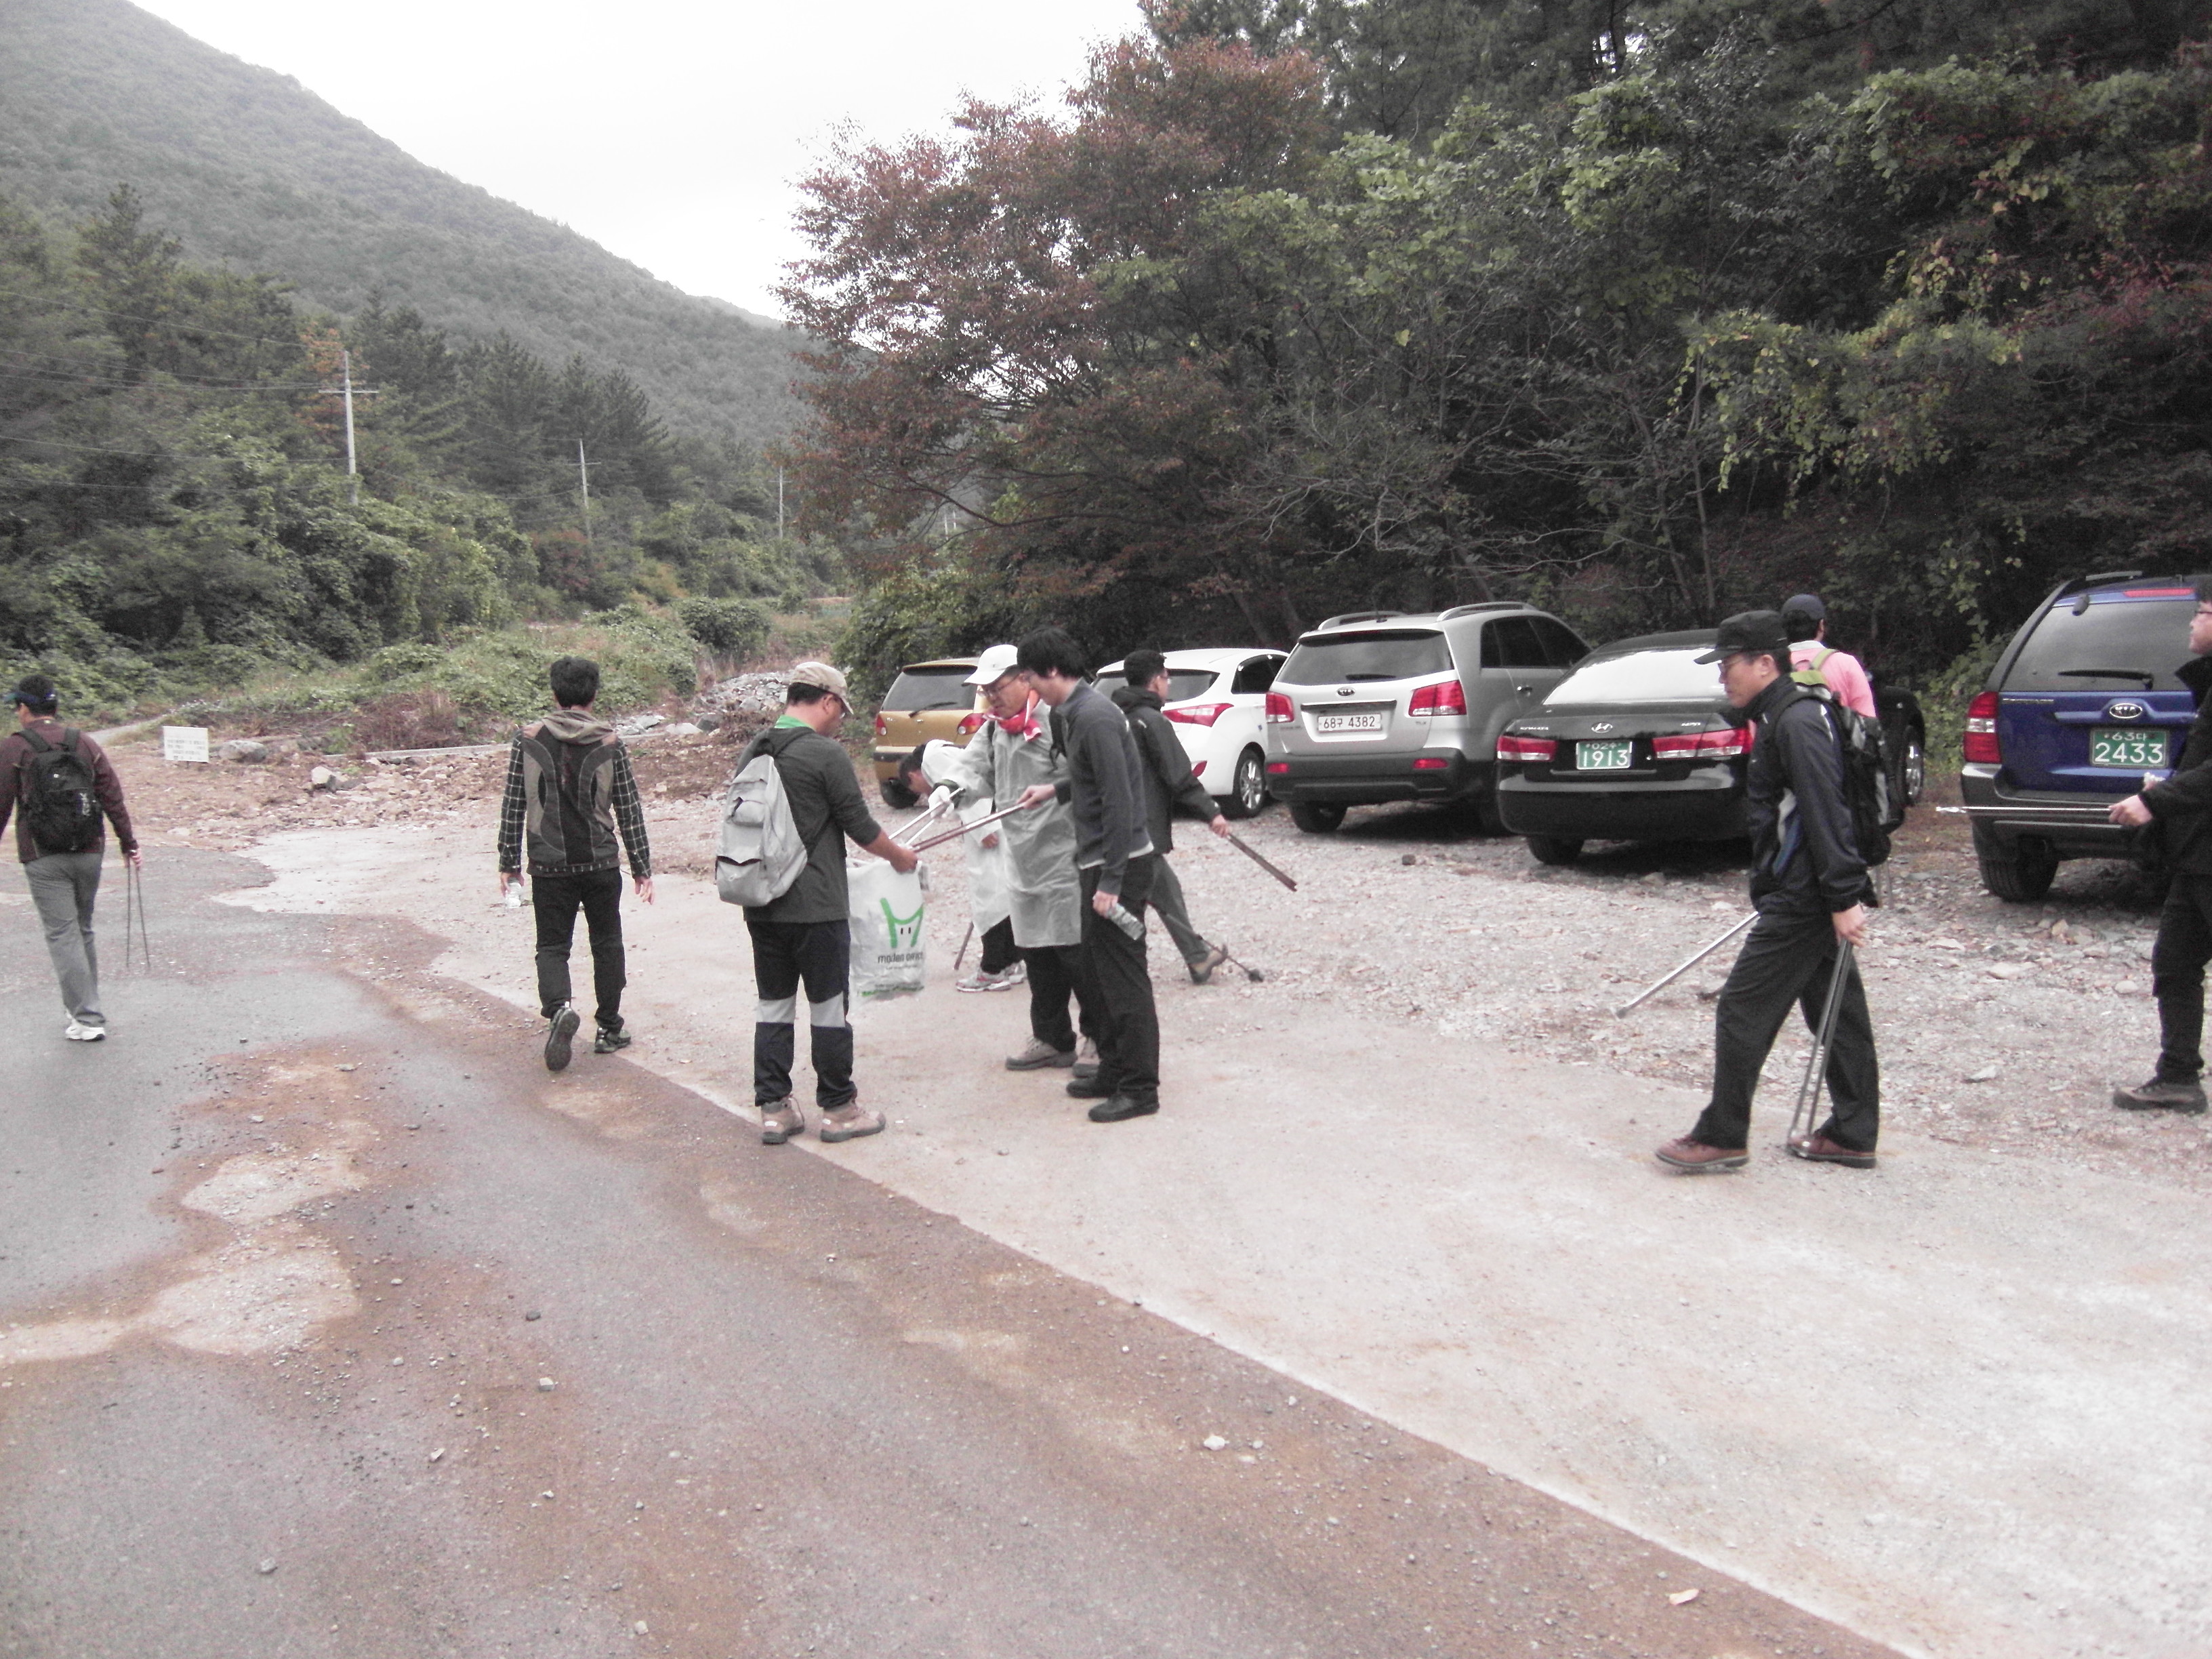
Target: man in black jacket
[1169, 783]
[2181, 808]
[1809, 887]
[1105, 784]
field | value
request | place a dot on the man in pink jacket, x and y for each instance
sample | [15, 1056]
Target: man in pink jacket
[1805, 621]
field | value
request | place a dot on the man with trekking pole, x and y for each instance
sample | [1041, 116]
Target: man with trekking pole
[1810, 886]
[59, 786]
[1169, 783]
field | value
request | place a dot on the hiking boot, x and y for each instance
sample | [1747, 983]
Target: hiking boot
[1202, 969]
[559, 1038]
[78, 1031]
[1088, 1088]
[1039, 1054]
[849, 1122]
[2161, 1095]
[1118, 1107]
[1695, 1157]
[608, 1042]
[1086, 1060]
[780, 1121]
[1818, 1149]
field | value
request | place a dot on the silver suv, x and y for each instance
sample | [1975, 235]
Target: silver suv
[1387, 705]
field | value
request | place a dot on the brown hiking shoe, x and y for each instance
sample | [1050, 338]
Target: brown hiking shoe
[2159, 1095]
[780, 1121]
[1818, 1149]
[849, 1122]
[1695, 1157]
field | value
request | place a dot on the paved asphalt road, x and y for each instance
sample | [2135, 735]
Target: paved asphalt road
[330, 1325]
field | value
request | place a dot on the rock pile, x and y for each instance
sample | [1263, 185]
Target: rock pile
[757, 696]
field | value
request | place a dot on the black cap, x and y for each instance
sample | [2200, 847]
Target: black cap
[36, 692]
[1750, 630]
[1809, 603]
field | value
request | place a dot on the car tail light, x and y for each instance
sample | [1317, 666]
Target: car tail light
[1198, 714]
[1432, 763]
[1726, 744]
[1281, 711]
[882, 731]
[971, 724]
[1510, 748]
[1279, 769]
[1982, 746]
[1446, 698]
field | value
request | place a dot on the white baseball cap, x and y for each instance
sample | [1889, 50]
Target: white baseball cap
[993, 666]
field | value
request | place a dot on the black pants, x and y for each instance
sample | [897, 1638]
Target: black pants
[1056, 974]
[2177, 976]
[1000, 950]
[1791, 959]
[556, 899]
[785, 954]
[1114, 984]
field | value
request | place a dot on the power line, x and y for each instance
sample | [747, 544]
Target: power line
[51, 303]
[58, 377]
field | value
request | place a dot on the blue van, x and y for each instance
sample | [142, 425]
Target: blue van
[2082, 710]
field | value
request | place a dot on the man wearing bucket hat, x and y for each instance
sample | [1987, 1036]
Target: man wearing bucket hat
[58, 786]
[1809, 887]
[803, 935]
[1043, 890]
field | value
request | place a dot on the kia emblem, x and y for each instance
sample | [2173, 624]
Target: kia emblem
[2124, 710]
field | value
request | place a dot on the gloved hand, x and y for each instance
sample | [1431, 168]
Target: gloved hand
[941, 797]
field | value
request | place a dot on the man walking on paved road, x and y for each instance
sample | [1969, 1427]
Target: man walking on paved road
[2178, 813]
[1044, 893]
[60, 787]
[569, 792]
[1169, 783]
[803, 935]
[1105, 782]
[1809, 887]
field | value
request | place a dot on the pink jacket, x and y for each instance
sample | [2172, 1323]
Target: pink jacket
[1845, 677]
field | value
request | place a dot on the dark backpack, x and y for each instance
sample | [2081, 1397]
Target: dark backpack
[1867, 792]
[61, 807]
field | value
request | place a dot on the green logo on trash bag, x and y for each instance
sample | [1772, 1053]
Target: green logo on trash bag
[905, 931]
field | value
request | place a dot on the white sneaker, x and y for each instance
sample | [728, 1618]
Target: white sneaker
[982, 981]
[1086, 1060]
[78, 1033]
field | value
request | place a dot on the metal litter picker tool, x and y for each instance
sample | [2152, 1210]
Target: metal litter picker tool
[1816, 1063]
[1245, 847]
[944, 835]
[1653, 990]
[134, 909]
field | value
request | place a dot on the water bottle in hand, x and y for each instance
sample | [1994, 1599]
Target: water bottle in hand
[1120, 916]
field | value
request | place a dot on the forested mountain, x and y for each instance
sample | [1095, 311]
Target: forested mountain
[1651, 311]
[254, 174]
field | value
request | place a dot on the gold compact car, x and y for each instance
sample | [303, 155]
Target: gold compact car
[928, 700]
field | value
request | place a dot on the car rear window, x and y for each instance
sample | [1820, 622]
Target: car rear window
[1393, 653]
[931, 687]
[1670, 675]
[1183, 683]
[2143, 639]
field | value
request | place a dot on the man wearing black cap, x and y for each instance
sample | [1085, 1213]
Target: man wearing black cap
[58, 786]
[1809, 887]
[1805, 619]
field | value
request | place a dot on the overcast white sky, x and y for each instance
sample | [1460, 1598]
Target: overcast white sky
[670, 131]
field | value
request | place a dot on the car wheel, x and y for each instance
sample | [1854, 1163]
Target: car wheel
[1316, 817]
[2019, 874]
[1554, 849]
[1248, 793]
[1912, 769]
[897, 796]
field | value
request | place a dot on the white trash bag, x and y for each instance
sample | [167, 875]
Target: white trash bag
[889, 912]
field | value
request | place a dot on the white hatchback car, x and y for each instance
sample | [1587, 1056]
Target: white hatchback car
[1218, 698]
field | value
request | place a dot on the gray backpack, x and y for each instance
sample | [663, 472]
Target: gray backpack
[761, 852]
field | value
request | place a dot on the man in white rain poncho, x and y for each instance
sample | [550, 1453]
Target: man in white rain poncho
[1042, 892]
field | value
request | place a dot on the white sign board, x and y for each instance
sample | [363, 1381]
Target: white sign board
[183, 743]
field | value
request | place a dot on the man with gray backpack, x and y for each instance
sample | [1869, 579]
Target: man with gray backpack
[791, 807]
[59, 787]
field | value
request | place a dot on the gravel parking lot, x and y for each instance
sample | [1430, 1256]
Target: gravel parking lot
[2003, 1026]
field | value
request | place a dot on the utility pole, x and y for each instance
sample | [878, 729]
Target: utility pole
[779, 503]
[584, 484]
[346, 389]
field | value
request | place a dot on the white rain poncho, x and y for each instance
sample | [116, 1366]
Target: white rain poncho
[1043, 893]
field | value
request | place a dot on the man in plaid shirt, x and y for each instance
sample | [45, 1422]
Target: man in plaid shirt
[569, 792]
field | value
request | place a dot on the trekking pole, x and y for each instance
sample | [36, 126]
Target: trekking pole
[1816, 1063]
[964, 938]
[134, 903]
[1626, 1007]
[1245, 847]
